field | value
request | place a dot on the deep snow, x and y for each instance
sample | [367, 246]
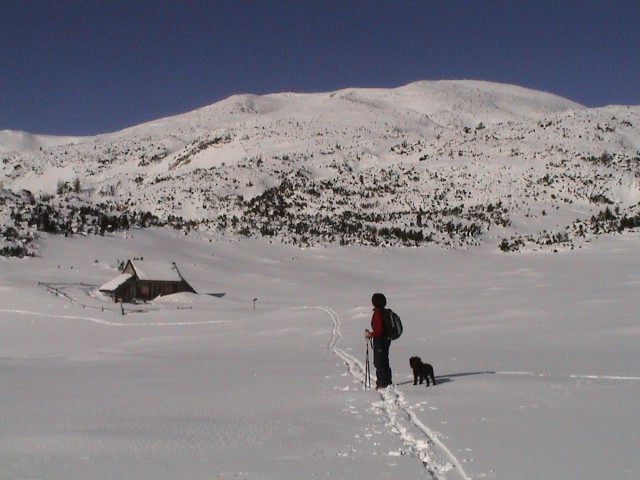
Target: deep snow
[536, 356]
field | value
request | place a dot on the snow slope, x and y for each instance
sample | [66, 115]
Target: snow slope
[535, 355]
[14, 141]
[455, 163]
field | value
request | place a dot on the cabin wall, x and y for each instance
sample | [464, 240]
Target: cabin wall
[150, 289]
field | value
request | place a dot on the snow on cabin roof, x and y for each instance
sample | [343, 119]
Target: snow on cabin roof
[159, 271]
[112, 285]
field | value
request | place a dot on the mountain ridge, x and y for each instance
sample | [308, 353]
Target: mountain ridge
[454, 163]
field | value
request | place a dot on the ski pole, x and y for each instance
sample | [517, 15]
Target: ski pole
[367, 374]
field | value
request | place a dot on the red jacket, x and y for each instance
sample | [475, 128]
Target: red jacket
[377, 323]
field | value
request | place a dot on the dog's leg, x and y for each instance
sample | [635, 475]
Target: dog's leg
[428, 373]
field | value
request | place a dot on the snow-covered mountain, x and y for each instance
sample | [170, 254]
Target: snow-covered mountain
[455, 163]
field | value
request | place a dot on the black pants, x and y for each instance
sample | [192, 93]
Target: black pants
[381, 361]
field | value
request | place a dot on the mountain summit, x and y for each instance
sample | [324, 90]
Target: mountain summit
[454, 163]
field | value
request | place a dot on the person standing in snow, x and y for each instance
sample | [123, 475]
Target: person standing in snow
[381, 344]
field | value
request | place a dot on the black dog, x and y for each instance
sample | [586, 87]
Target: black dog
[422, 371]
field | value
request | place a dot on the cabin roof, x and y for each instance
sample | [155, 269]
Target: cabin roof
[158, 271]
[112, 285]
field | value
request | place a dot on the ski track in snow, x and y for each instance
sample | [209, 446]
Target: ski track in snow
[356, 368]
[582, 377]
[419, 440]
[100, 321]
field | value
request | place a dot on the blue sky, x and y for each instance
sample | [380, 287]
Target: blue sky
[85, 67]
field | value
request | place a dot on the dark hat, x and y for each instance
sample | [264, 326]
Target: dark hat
[379, 300]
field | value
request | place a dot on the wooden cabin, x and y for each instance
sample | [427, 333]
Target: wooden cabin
[141, 280]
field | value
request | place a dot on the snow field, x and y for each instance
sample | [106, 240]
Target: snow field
[535, 355]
